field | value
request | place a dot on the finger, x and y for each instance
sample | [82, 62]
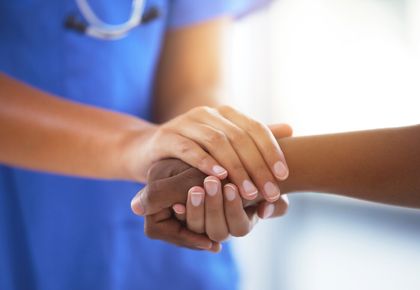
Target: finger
[249, 154]
[253, 148]
[190, 152]
[270, 210]
[216, 247]
[163, 193]
[264, 140]
[219, 146]
[236, 217]
[281, 130]
[216, 227]
[163, 226]
[180, 211]
[136, 204]
[195, 209]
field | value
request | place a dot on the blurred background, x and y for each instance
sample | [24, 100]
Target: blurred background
[330, 66]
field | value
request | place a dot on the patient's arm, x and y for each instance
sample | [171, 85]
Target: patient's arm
[377, 165]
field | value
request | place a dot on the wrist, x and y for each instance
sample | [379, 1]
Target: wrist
[133, 152]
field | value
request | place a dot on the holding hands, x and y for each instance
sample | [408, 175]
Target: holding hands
[362, 165]
[219, 142]
[184, 206]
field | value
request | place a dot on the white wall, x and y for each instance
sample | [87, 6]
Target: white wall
[329, 66]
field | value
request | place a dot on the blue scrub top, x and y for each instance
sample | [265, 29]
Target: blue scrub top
[60, 232]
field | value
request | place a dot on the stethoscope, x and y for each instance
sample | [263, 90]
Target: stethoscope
[96, 28]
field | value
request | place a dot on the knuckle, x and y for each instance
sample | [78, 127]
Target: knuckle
[239, 137]
[196, 228]
[200, 110]
[152, 197]
[225, 109]
[240, 231]
[257, 127]
[199, 230]
[157, 170]
[153, 171]
[203, 160]
[183, 147]
[215, 138]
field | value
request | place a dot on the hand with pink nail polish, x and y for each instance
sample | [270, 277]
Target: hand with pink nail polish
[224, 142]
[219, 212]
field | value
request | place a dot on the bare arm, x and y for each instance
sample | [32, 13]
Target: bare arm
[377, 165]
[189, 72]
[43, 132]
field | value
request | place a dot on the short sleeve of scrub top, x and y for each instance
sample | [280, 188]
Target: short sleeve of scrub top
[60, 232]
[187, 12]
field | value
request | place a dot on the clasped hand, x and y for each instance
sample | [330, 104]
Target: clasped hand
[185, 207]
[212, 212]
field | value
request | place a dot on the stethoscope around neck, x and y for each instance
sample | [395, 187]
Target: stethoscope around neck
[96, 28]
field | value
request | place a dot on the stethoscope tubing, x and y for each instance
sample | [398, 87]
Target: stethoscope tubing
[99, 29]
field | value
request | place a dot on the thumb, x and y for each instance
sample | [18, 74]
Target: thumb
[164, 193]
[136, 204]
[281, 130]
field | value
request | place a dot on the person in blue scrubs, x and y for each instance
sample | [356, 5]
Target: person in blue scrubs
[67, 101]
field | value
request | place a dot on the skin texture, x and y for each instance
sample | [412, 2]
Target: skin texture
[44, 132]
[378, 165]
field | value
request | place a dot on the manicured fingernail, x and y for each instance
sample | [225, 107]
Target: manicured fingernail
[179, 208]
[268, 211]
[280, 170]
[272, 191]
[196, 198]
[250, 189]
[211, 187]
[230, 192]
[136, 205]
[219, 171]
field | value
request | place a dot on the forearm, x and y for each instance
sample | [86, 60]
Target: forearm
[42, 132]
[378, 165]
[189, 73]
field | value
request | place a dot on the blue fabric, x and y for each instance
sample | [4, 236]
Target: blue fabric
[61, 232]
[186, 12]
